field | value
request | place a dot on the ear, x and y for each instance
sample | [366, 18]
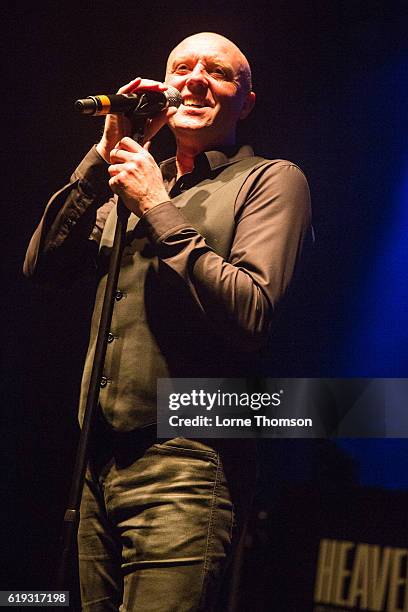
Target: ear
[248, 105]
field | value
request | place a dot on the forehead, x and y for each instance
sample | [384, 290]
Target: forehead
[206, 47]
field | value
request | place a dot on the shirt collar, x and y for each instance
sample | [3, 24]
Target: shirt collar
[208, 161]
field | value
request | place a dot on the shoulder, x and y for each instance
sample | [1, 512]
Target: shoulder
[278, 167]
[277, 180]
[260, 172]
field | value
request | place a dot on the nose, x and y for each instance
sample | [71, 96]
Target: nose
[197, 79]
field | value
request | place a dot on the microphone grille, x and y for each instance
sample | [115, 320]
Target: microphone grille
[173, 96]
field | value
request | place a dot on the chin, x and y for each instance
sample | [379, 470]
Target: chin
[189, 124]
[190, 130]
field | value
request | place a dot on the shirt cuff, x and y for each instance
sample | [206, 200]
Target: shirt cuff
[93, 174]
[162, 221]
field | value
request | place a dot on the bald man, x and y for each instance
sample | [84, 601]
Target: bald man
[212, 244]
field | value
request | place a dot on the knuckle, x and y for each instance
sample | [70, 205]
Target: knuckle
[131, 166]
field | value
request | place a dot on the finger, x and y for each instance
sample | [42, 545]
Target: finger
[114, 184]
[147, 144]
[119, 181]
[152, 85]
[128, 168]
[130, 86]
[128, 144]
[120, 156]
[139, 83]
[114, 169]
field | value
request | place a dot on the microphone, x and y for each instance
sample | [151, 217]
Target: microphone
[142, 104]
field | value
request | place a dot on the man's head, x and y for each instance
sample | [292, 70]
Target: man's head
[214, 79]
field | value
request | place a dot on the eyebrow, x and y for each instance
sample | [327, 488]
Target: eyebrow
[209, 59]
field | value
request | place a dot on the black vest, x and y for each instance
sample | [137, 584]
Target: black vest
[158, 331]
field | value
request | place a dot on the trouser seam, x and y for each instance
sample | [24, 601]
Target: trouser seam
[210, 531]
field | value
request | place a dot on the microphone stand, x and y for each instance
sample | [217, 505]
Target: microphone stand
[71, 517]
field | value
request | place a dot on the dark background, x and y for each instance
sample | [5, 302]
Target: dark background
[331, 80]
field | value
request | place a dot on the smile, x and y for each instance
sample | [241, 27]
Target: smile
[191, 102]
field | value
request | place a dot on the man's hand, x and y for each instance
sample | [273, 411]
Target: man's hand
[135, 176]
[117, 126]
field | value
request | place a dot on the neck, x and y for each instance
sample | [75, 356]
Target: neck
[185, 160]
[187, 151]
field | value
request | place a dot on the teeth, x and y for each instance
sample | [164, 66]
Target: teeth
[192, 102]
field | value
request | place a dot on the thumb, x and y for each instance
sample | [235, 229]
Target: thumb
[147, 144]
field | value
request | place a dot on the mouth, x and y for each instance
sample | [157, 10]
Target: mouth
[193, 102]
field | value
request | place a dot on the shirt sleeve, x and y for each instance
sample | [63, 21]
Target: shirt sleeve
[60, 243]
[238, 295]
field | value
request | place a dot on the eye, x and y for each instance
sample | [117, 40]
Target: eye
[181, 69]
[218, 72]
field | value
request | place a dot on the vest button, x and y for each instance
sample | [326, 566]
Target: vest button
[118, 295]
[104, 382]
[111, 337]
